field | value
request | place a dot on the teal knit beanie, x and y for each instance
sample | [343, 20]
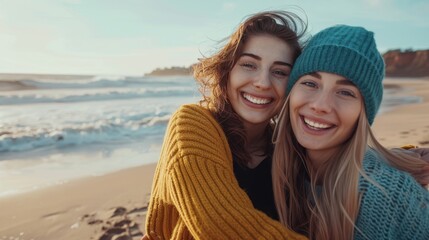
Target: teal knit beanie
[347, 51]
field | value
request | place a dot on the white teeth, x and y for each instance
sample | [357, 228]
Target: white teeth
[315, 124]
[256, 100]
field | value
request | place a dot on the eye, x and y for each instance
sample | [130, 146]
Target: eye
[281, 73]
[309, 84]
[347, 93]
[248, 65]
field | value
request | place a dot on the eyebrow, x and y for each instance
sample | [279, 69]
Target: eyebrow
[259, 58]
[343, 81]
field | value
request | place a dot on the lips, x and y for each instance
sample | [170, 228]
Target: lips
[257, 100]
[315, 125]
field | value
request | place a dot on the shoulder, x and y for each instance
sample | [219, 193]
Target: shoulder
[386, 178]
[193, 130]
[193, 119]
[391, 200]
[382, 174]
[191, 111]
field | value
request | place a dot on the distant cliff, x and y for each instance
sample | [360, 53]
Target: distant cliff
[399, 63]
[407, 63]
[170, 71]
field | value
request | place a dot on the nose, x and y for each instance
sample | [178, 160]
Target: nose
[262, 80]
[321, 102]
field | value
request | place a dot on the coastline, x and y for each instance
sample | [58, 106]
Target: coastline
[115, 203]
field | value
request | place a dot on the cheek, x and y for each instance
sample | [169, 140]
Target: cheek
[294, 104]
[281, 90]
[351, 115]
[235, 80]
[295, 100]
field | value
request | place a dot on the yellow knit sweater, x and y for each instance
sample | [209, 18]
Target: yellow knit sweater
[195, 194]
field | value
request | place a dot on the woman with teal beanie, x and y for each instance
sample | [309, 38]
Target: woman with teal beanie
[331, 177]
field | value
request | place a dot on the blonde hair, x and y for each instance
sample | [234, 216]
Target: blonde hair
[327, 211]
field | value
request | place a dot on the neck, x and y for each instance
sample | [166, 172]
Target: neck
[255, 133]
[317, 160]
[256, 143]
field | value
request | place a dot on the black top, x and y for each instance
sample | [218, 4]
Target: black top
[258, 185]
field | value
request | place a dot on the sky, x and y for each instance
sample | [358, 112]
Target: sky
[134, 37]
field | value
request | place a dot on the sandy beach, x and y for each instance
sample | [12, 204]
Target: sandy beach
[90, 208]
[113, 206]
[406, 124]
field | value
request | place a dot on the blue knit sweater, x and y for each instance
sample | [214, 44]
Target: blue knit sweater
[400, 210]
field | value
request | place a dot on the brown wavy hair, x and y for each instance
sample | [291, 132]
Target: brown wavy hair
[212, 73]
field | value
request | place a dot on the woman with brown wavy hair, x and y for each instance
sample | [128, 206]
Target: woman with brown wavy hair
[215, 164]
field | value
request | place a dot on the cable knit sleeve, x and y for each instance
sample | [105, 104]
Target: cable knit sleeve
[200, 181]
[393, 205]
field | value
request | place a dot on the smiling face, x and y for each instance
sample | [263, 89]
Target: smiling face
[324, 109]
[257, 82]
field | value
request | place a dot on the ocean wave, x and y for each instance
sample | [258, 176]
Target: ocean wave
[24, 138]
[95, 82]
[98, 95]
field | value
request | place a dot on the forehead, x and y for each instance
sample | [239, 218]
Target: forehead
[269, 47]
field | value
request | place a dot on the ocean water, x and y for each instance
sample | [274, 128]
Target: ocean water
[53, 130]
[55, 113]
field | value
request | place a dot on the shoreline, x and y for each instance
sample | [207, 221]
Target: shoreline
[89, 207]
[33, 171]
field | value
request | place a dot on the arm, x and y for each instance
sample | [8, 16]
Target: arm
[203, 186]
[393, 204]
[414, 209]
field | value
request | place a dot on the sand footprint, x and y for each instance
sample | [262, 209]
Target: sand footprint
[117, 223]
